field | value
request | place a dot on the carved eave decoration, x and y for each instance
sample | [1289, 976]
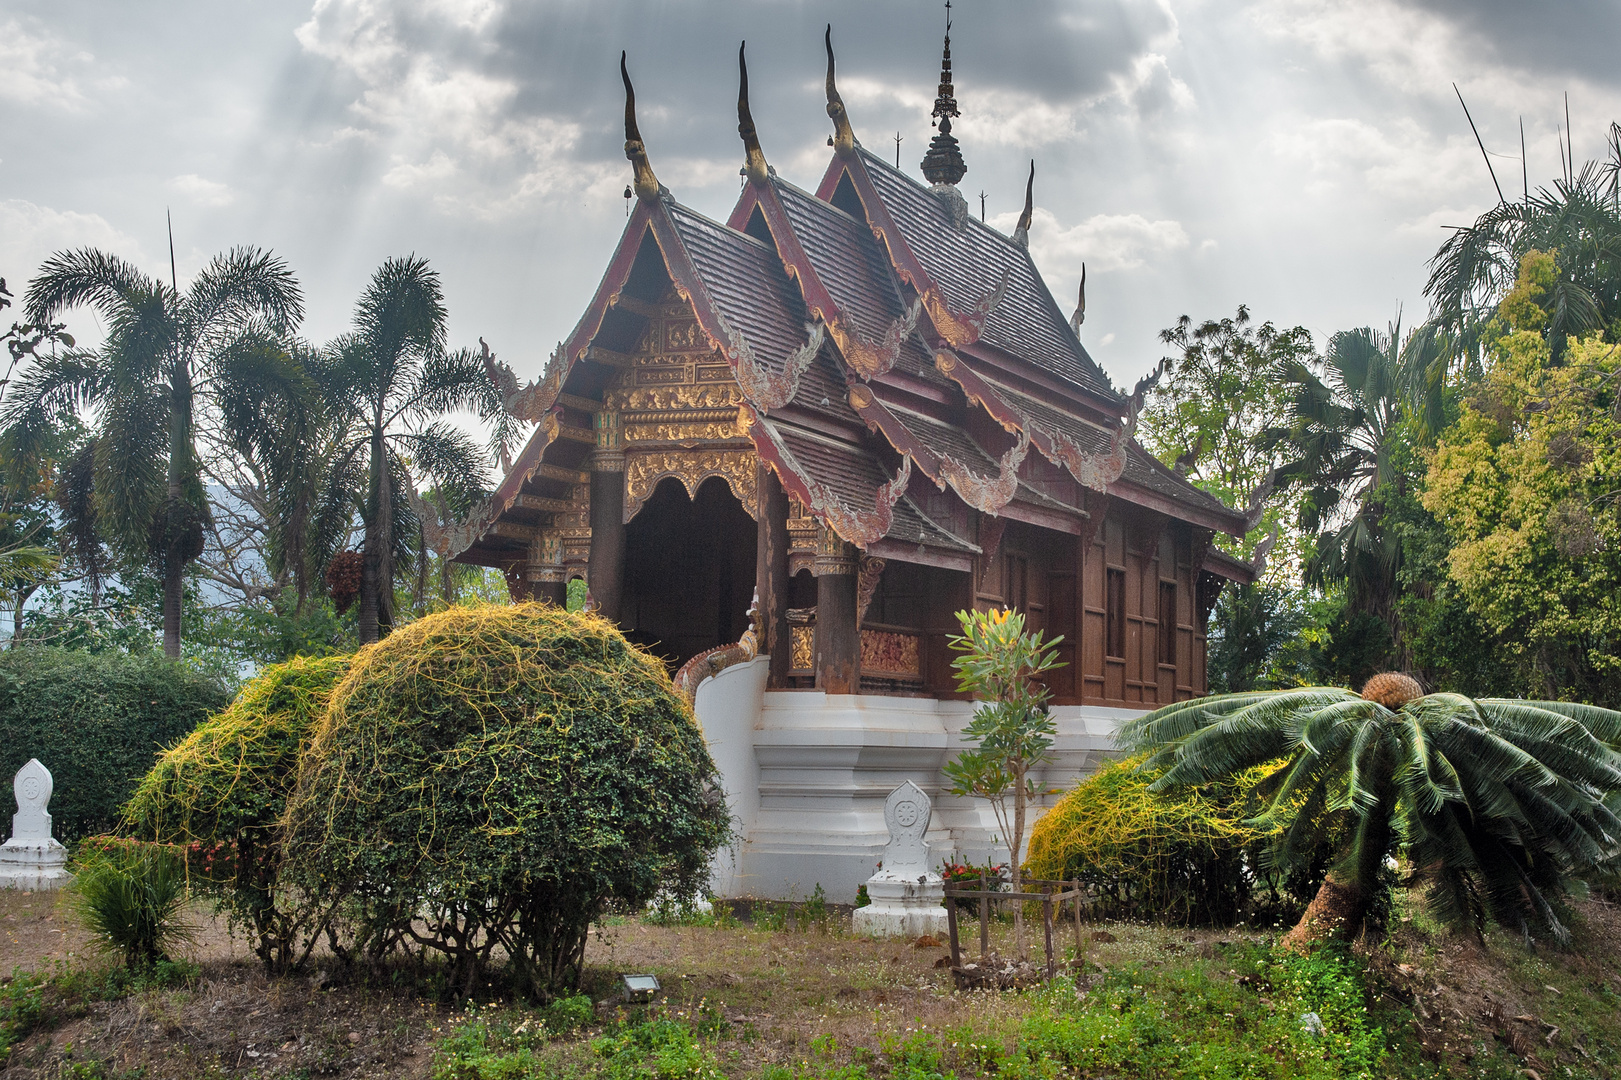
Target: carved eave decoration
[856, 526]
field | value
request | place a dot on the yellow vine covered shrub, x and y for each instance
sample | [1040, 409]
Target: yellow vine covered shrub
[1185, 856]
[488, 779]
[221, 792]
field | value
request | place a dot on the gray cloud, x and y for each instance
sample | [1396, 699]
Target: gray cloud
[1300, 156]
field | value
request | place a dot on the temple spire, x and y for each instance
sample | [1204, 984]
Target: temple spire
[1021, 231]
[943, 163]
[755, 167]
[844, 139]
[647, 185]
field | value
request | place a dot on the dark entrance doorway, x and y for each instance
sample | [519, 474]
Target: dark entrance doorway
[689, 571]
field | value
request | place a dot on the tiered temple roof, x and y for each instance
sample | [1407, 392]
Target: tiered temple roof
[899, 364]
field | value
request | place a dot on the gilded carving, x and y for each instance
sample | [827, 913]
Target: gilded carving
[683, 335]
[859, 527]
[531, 402]
[872, 569]
[643, 471]
[636, 402]
[870, 359]
[834, 554]
[801, 648]
[987, 494]
[884, 652]
[768, 390]
[682, 432]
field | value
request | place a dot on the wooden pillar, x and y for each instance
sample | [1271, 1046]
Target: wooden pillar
[838, 638]
[771, 574]
[606, 573]
[545, 570]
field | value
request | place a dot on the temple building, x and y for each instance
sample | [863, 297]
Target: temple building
[846, 413]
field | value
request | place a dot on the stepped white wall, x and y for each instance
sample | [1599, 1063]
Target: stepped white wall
[806, 775]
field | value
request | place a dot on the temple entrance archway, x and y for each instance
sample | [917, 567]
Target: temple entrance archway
[689, 570]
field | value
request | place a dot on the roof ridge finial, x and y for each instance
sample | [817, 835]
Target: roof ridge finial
[943, 163]
[1079, 317]
[844, 139]
[755, 167]
[647, 185]
[1021, 231]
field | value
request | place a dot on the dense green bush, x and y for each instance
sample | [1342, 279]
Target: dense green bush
[1188, 856]
[96, 720]
[222, 790]
[492, 777]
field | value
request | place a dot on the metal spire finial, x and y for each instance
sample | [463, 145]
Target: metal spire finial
[844, 140]
[647, 185]
[755, 167]
[943, 163]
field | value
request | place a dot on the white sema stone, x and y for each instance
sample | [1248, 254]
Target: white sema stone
[31, 859]
[906, 895]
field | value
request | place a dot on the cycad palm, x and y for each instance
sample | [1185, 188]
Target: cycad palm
[166, 352]
[1498, 804]
[393, 382]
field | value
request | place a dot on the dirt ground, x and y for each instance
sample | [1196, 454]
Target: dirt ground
[783, 989]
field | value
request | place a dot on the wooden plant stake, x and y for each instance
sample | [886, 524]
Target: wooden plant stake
[1075, 887]
[951, 923]
[984, 919]
[1047, 927]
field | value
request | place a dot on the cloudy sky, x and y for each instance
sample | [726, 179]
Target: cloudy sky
[1298, 156]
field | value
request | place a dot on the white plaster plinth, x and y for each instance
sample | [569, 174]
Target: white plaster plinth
[32, 860]
[905, 893]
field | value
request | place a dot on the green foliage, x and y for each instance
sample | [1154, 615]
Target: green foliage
[1523, 485]
[1001, 664]
[1499, 804]
[1135, 1022]
[1190, 855]
[660, 1049]
[502, 774]
[22, 1003]
[1211, 416]
[96, 721]
[502, 1044]
[222, 791]
[132, 897]
[1253, 633]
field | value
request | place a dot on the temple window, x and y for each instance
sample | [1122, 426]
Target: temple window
[1167, 623]
[1114, 637]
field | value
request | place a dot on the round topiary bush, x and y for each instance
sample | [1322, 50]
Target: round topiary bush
[1188, 856]
[222, 791]
[492, 777]
[96, 720]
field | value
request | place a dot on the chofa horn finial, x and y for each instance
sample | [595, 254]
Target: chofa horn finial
[647, 185]
[1021, 232]
[844, 140]
[1079, 317]
[755, 166]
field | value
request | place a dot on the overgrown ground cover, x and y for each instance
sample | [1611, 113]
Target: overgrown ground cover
[802, 1004]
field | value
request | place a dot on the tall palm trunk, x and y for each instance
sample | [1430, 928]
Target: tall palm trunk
[176, 523]
[375, 573]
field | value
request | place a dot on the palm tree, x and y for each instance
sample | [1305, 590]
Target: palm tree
[1497, 803]
[393, 382]
[1342, 444]
[1579, 219]
[167, 352]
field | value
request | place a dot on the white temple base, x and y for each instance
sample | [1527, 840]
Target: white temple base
[33, 865]
[806, 775]
[905, 909]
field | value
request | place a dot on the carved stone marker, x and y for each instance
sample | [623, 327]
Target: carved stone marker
[32, 859]
[906, 895]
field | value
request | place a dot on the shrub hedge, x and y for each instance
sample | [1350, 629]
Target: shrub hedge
[96, 720]
[1187, 856]
[222, 790]
[493, 777]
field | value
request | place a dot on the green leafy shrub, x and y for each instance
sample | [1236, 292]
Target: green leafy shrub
[222, 791]
[1186, 856]
[501, 1044]
[493, 777]
[22, 1003]
[661, 1049]
[96, 720]
[132, 897]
